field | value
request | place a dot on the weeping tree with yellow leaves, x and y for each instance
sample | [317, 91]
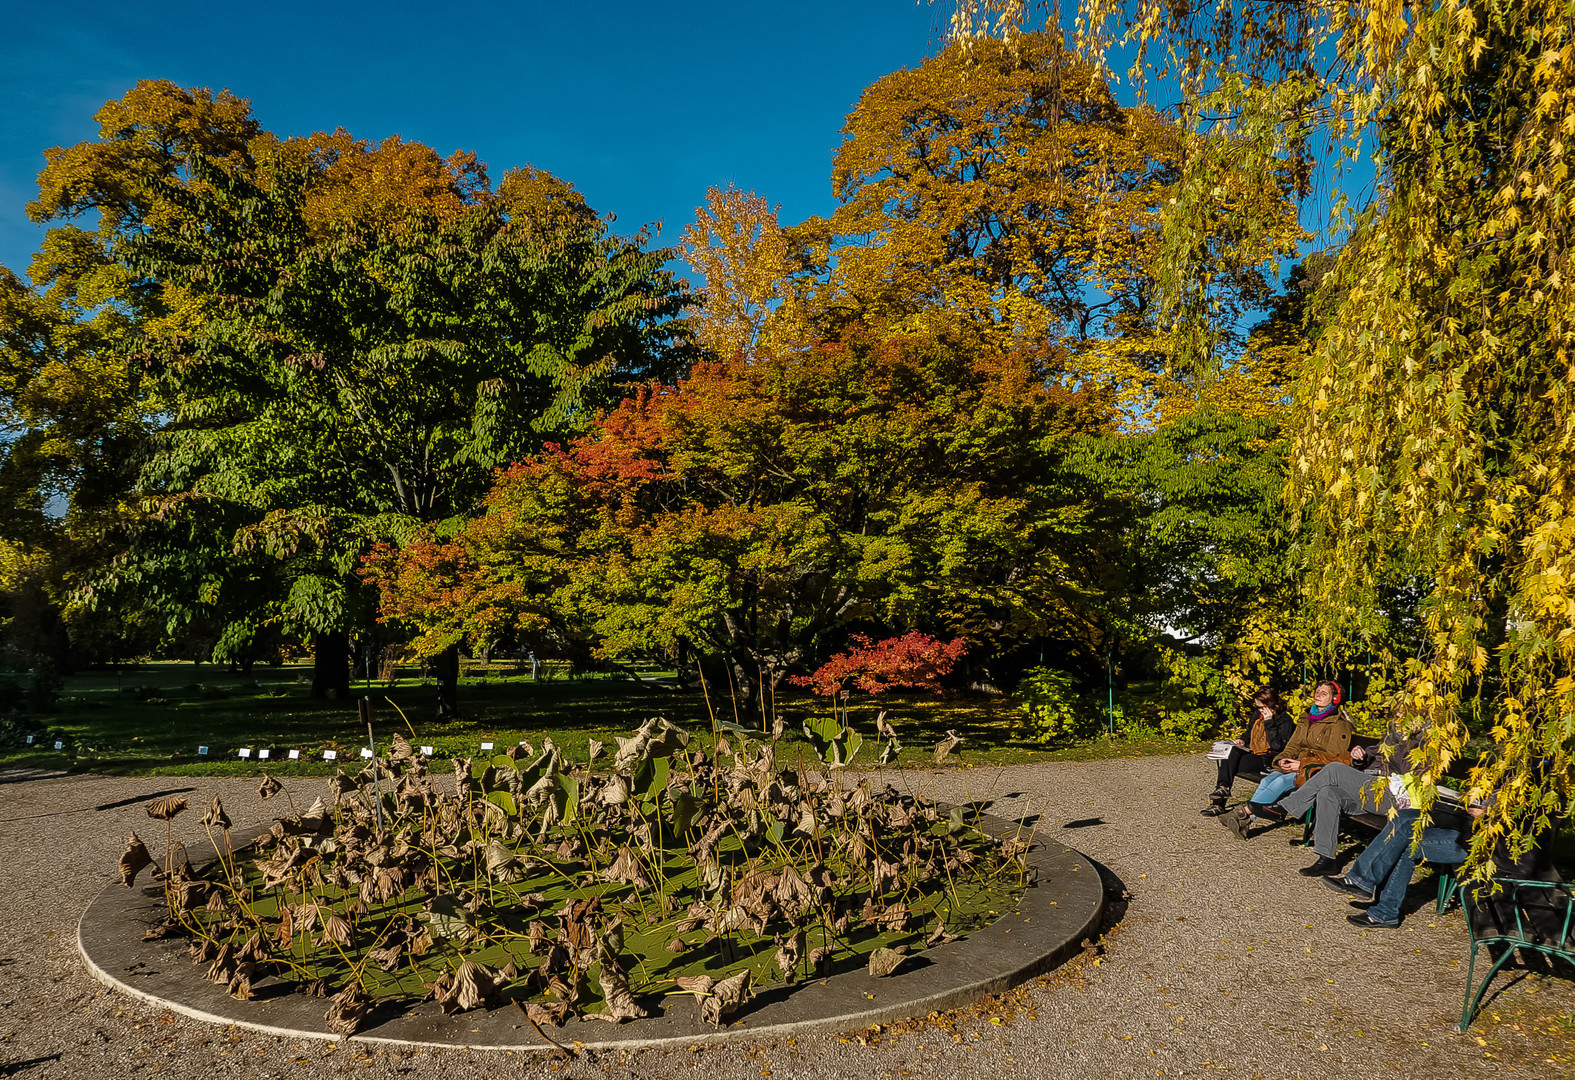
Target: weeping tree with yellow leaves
[1435, 430]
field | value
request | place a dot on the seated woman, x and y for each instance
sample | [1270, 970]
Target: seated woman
[1269, 727]
[1322, 736]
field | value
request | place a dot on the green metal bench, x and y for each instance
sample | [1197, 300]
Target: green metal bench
[1538, 927]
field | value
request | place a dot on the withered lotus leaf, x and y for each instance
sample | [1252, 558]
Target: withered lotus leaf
[501, 863]
[788, 954]
[216, 818]
[347, 1010]
[133, 859]
[939, 937]
[471, 986]
[240, 984]
[727, 997]
[884, 961]
[400, 750]
[166, 808]
[699, 985]
[269, 787]
[820, 957]
[627, 869]
[620, 1003]
[335, 930]
[947, 745]
[676, 945]
[547, 1015]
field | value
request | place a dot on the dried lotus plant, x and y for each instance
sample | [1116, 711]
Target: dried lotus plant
[719, 867]
[133, 859]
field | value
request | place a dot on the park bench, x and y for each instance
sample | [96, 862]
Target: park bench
[1524, 915]
[1376, 822]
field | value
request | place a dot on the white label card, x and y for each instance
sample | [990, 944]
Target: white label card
[427, 751]
[295, 755]
[330, 755]
[246, 752]
[30, 740]
[59, 745]
[262, 755]
[365, 752]
[486, 746]
[202, 751]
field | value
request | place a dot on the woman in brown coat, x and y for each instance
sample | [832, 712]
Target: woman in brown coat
[1322, 736]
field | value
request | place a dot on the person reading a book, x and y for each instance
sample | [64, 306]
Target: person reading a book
[1269, 727]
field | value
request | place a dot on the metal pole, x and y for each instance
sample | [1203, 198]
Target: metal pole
[1110, 685]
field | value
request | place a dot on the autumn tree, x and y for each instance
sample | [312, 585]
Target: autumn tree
[754, 275]
[75, 407]
[765, 507]
[1001, 190]
[1433, 428]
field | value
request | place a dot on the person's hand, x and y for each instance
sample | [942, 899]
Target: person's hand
[1358, 753]
[1476, 811]
[1290, 764]
[1242, 743]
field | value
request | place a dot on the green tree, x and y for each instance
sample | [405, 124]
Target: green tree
[345, 384]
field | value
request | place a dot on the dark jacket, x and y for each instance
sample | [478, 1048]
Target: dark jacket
[1278, 728]
[1394, 756]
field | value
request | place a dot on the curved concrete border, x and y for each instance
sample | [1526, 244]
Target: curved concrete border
[1048, 927]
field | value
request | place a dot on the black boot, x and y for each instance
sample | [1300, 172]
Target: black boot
[1216, 805]
[1322, 868]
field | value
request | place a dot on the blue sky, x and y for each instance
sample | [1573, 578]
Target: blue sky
[641, 105]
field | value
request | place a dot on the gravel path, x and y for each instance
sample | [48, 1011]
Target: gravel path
[1223, 962]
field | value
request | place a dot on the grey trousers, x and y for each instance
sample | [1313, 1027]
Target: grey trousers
[1336, 789]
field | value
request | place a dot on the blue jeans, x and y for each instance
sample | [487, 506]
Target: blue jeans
[1383, 869]
[1273, 787]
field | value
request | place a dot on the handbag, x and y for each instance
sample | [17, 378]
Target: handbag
[1311, 768]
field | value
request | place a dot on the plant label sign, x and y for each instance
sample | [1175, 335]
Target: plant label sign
[262, 755]
[202, 751]
[486, 746]
[295, 755]
[330, 755]
[426, 751]
[365, 752]
[59, 745]
[246, 752]
[30, 740]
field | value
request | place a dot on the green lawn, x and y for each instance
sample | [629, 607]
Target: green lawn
[151, 719]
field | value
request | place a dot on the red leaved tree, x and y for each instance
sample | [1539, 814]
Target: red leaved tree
[914, 659]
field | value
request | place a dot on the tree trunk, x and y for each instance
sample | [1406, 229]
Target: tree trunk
[445, 665]
[331, 666]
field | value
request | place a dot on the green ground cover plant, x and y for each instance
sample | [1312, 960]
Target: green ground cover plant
[704, 867]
